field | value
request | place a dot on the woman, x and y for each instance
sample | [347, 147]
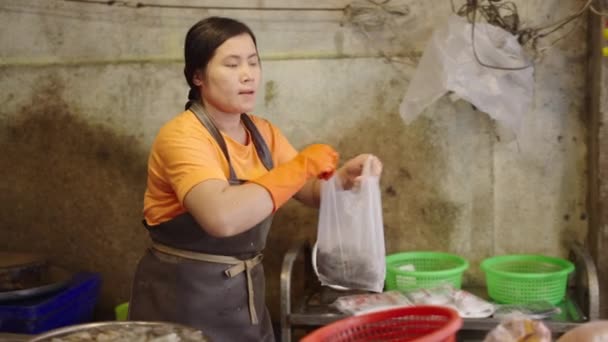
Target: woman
[215, 178]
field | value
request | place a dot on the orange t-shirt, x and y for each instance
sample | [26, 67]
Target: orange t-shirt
[185, 154]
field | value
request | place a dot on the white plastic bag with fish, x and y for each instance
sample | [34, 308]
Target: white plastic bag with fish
[350, 238]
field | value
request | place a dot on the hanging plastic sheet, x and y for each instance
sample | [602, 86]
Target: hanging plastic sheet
[449, 64]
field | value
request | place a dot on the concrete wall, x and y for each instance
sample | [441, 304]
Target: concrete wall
[86, 87]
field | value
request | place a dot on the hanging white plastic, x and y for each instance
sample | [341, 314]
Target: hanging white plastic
[448, 64]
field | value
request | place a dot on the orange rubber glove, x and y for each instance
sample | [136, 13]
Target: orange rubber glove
[287, 179]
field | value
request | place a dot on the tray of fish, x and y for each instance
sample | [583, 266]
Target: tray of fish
[125, 331]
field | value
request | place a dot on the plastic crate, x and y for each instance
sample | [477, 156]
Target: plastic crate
[72, 305]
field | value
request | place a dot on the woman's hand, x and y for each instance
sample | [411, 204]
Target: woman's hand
[350, 172]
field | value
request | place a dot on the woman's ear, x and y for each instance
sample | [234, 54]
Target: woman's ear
[198, 78]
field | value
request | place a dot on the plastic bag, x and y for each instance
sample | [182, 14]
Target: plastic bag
[448, 64]
[350, 237]
[367, 303]
[519, 329]
[533, 310]
[467, 304]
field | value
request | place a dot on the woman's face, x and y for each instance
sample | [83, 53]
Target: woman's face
[232, 76]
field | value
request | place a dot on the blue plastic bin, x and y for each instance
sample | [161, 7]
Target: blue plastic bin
[72, 305]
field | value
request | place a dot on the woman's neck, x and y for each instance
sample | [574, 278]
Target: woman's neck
[229, 123]
[224, 121]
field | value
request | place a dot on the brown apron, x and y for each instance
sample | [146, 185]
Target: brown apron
[214, 284]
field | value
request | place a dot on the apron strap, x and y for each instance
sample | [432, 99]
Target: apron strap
[258, 141]
[200, 112]
[238, 266]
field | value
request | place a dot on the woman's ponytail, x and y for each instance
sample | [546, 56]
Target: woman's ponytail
[192, 96]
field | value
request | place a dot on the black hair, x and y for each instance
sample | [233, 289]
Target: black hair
[202, 40]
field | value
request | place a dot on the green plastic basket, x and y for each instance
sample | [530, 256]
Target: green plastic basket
[430, 269]
[517, 279]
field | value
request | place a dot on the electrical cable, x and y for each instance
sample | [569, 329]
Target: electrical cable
[476, 55]
[595, 11]
[505, 15]
[139, 4]
[372, 15]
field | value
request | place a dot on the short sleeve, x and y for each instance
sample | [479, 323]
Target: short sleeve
[186, 158]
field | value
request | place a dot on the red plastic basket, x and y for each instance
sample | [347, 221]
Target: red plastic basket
[413, 323]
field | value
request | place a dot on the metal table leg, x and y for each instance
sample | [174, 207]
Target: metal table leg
[286, 289]
[586, 282]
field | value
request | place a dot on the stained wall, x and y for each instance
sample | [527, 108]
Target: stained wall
[86, 87]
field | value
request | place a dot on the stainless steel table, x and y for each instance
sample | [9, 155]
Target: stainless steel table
[304, 303]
